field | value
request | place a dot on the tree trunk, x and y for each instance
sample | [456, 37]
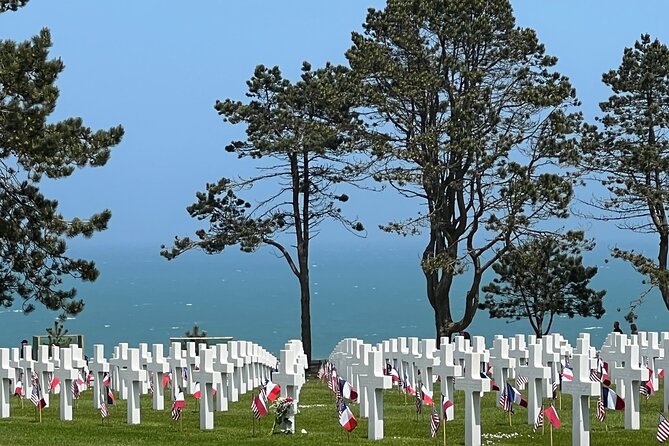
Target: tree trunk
[445, 323]
[662, 262]
[305, 306]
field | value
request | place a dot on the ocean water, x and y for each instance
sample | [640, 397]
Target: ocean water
[369, 291]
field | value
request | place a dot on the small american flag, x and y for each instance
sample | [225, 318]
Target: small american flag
[521, 381]
[151, 386]
[595, 376]
[419, 401]
[556, 386]
[104, 410]
[434, 422]
[662, 429]
[75, 390]
[644, 390]
[36, 395]
[601, 410]
[506, 402]
[539, 422]
[176, 413]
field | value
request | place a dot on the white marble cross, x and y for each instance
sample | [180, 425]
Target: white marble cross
[374, 382]
[550, 358]
[99, 366]
[631, 374]
[287, 378]
[359, 369]
[426, 360]
[237, 376]
[67, 373]
[7, 376]
[206, 377]
[663, 363]
[133, 376]
[613, 352]
[235, 384]
[158, 367]
[247, 382]
[581, 388]
[402, 352]
[177, 363]
[462, 346]
[537, 382]
[650, 351]
[501, 363]
[193, 361]
[145, 358]
[301, 365]
[117, 363]
[518, 351]
[473, 385]
[224, 369]
[44, 368]
[448, 369]
[27, 366]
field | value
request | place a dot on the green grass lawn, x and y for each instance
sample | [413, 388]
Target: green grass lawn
[318, 417]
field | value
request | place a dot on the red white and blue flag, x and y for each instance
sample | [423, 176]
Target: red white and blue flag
[611, 400]
[427, 395]
[259, 405]
[445, 406]
[346, 418]
[347, 391]
[272, 390]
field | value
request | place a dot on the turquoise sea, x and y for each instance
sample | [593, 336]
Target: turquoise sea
[373, 291]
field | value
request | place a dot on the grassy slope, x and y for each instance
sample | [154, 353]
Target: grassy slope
[318, 417]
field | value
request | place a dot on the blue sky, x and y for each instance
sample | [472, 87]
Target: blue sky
[157, 67]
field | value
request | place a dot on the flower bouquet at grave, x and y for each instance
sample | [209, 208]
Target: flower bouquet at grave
[283, 408]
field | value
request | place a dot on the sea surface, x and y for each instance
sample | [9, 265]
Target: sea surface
[369, 291]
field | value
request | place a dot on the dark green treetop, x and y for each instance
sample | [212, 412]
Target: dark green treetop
[33, 252]
[542, 278]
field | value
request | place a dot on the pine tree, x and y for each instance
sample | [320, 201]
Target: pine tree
[33, 252]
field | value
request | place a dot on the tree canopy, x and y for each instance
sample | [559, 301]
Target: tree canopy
[33, 250]
[305, 134]
[470, 119]
[628, 153]
[542, 278]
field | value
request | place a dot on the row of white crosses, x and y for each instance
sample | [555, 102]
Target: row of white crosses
[132, 367]
[539, 360]
[63, 363]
